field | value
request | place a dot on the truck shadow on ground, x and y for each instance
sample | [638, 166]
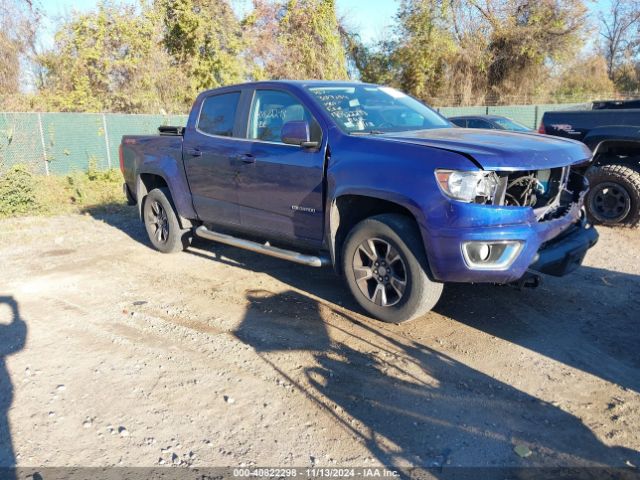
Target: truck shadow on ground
[13, 336]
[407, 403]
[586, 320]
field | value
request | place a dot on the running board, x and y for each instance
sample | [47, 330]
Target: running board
[266, 249]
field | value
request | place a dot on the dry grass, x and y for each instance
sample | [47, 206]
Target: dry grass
[54, 195]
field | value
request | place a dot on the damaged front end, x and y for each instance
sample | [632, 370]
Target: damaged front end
[513, 225]
[551, 193]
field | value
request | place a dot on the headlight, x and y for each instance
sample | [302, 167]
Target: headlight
[467, 186]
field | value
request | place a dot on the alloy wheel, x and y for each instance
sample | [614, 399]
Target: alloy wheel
[159, 222]
[380, 272]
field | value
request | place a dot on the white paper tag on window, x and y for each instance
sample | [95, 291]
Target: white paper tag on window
[354, 103]
[392, 92]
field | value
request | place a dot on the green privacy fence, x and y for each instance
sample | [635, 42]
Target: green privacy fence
[59, 143]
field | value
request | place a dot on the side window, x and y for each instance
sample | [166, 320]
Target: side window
[476, 123]
[218, 114]
[461, 122]
[271, 109]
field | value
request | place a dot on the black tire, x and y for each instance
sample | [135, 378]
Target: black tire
[614, 195]
[162, 224]
[419, 295]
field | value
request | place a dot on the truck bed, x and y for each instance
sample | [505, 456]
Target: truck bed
[160, 155]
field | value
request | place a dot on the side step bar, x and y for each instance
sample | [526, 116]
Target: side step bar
[266, 249]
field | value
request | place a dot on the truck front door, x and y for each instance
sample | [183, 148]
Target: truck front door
[280, 190]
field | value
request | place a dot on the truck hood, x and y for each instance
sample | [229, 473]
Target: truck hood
[499, 150]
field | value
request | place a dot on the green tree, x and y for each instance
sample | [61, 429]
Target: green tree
[204, 40]
[525, 38]
[583, 78]
[464, 52]
[110, 59]
[424, 48]
[295, 39]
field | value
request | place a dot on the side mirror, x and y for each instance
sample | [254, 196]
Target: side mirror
[297, 133]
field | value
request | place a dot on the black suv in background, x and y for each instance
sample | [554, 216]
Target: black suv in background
[611, 129]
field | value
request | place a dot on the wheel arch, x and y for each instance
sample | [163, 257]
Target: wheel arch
[625, 151]
[348, 209]
[147, 181]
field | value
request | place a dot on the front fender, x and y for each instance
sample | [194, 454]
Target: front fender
[402, 174]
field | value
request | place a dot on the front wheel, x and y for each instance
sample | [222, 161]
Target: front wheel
[162, 224]
[386, 269]
[614, 195]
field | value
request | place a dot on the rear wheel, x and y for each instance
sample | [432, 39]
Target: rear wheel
[162, 224]
[614, 195]
[386, 269]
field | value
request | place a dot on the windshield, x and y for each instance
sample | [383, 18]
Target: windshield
[368, 109]
[509, 124]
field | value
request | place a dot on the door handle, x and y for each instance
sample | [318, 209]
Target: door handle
[246, 158]
[194, 152]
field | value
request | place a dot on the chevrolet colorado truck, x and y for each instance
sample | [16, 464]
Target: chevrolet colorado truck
[611, 130]
[366, 179]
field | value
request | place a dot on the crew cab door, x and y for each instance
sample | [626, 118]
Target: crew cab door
[280, 187]
[210, 151]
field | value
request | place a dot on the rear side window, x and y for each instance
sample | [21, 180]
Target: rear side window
[461, 122]
[477, 123]
[218, 114]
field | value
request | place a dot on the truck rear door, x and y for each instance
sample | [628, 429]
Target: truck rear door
[210, 152]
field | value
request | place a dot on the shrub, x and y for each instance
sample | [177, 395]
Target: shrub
[18, 192]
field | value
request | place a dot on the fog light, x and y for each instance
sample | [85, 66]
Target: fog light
[498, 255]
[483, 251]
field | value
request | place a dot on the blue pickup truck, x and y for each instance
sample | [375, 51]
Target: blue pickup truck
[367, 179]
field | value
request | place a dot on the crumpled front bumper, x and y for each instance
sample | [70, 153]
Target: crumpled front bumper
[565, 253]
[554, 247]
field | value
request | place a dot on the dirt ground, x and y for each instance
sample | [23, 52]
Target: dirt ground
[114, 354]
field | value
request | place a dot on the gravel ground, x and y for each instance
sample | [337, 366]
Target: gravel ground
[114, 354]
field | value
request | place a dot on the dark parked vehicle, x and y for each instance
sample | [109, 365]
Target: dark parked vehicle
[612, 132]
[493, 122]
[366, 179]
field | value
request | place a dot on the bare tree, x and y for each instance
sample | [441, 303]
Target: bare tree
[618, 26]
[18, 23]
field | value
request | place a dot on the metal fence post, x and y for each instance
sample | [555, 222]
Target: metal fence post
[44, 149]
[106, 139]
[535, 117]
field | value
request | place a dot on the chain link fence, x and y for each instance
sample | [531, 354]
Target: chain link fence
[60, 143]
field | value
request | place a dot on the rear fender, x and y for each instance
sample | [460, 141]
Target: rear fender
[180, 194]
